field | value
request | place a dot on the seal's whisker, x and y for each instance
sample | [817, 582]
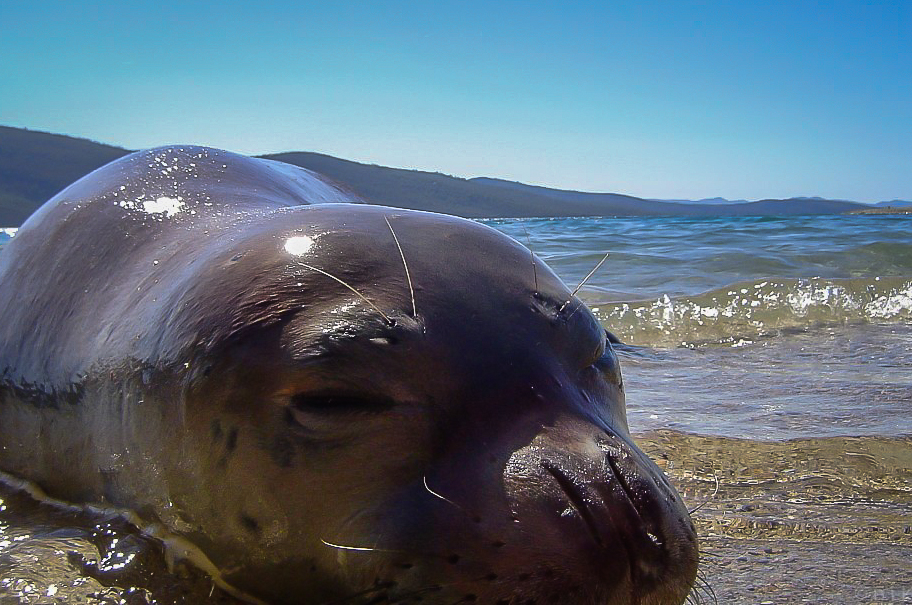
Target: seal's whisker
[580, 306]
[695, 596]
[408, 277]
[585, 279]
[531, 254]
[702, 585]
[710, 499]
[371, 549]
[360, 548]
[444, 498]
[361, 296]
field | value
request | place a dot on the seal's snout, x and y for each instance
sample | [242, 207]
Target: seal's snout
[611, 511]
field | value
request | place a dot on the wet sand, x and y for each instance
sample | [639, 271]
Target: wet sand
[801, 521]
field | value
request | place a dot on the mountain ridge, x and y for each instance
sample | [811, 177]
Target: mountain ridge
[35, 165]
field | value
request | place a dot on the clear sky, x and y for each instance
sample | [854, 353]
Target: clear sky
[672, 99]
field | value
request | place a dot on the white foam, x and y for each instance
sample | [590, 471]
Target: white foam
[891, 305]
[731, 316]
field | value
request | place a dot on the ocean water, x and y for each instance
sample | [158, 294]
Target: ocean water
[768, 369]
[752, 327]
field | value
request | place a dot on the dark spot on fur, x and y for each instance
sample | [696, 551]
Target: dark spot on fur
[282, 451]
[250, 524]
[109, 482]
[216, 430]
[231, 442]
[453, 559]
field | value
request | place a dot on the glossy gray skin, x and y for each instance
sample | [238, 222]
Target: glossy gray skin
[173, 357]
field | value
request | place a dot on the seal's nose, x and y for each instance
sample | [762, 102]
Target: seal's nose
[632, 516]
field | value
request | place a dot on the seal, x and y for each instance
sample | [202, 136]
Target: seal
[335, 402]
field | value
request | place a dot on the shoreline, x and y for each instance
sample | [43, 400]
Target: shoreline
[887, 210]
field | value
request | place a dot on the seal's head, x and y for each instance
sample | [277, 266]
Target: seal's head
[445, 429]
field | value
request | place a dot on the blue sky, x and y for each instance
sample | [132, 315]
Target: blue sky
[676, 99]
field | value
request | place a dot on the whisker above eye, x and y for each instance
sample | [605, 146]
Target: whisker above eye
[531, 254]
[408, 276]
[582, 283]
[361, 296]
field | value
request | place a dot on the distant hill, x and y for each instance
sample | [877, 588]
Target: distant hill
[431, 191]
[36, 165]
[623, 205]
[708, 200]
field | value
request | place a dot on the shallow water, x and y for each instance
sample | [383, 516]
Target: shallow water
[768, 369]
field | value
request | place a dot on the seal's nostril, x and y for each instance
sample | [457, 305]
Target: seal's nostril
[576, 499]
[622, 481]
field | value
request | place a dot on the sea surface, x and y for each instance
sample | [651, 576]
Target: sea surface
[768, 369]
[752, 327]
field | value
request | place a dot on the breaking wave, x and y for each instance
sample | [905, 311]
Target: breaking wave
[744, 312]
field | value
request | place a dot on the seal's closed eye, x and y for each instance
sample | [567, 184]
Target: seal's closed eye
[339, 403]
